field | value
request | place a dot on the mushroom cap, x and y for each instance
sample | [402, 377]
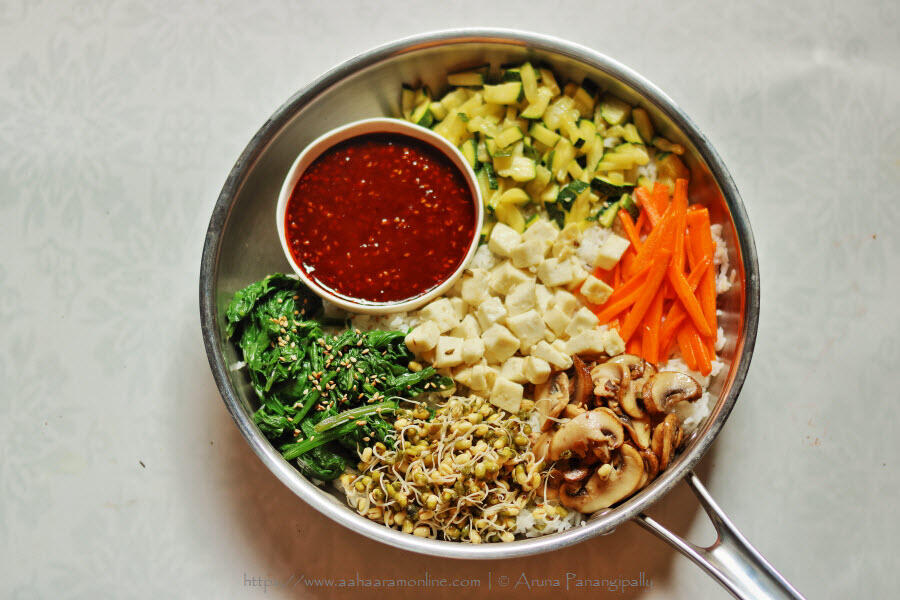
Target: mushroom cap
[639, 430]
[608, 485]
[594, 430]
[666, 388]
[609, 378]
[582, 384]
[663, 443]
[551, 397]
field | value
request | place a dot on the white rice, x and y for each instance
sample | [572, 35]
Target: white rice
[529, 526]
[724, 278]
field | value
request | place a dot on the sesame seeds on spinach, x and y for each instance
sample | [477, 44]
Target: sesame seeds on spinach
[321, 396]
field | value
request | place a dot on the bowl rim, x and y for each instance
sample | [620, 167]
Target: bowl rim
[598, 524]
[329, 140]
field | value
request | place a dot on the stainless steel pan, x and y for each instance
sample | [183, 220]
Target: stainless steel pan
[241, 246]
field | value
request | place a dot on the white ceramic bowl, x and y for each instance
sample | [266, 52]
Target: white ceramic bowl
[355, 129]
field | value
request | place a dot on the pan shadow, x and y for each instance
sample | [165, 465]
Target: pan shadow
[285, 538]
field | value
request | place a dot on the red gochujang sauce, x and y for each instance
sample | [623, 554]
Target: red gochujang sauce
[380, 218]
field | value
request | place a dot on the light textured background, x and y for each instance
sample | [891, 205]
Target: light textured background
[119, 122]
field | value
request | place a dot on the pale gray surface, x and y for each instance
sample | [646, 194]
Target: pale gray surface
[119, 123]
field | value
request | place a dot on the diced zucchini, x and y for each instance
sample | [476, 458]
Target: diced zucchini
[554, 113]
[530, 220]
[469, 151]
[482, 153]
[609, 215]
[626, 202]
[483, 182]
[614, 111]
[514, 196]
[469, 107]
[667, 146]
[563, 154]
[642, 122]
[509, 136]
[511, 74]
[421, 115]
[491, 176]
[454, 99]
[631, 134]
[437, 110]
[495, 150]
[543, 135]
[470, 78]
[510, 214]
[575, 170]
[519, 169]
[452, 128]
[569, 89]
[569, 192]
[421, 95]
[580, 210]
[608, 186]
[548, 80]
[536, 108]
[584, 101]
[529, 82]
[407, 100]
[504, 93]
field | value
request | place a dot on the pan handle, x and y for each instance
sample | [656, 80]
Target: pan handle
[730, 560]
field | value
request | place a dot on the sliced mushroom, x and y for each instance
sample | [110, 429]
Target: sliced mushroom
[594, 431]
[582, 385]
[609, 379]
[576, 474]
[634, 363]
[573, 410]
[551, 398]
[668, 388]
[609, 484]
[640, 430]
[639, 371]
[663, 442]
[651, 467]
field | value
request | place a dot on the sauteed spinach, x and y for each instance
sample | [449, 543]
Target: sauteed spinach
[321, 396]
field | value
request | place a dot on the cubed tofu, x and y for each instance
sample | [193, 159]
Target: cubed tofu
[489, 312]
[422, 338]
[507, 394]
[474, 286]
[460, 307]
[579, 274]
[442, 313]
[556, 320]
[564, 245]
[467, 328]
[472, 350]
[611, 251]
[542, 231]
[595, 290]
[448, 352]
[478, 380]
[537, 370]
[528, 254]
[543, 297]
[521, 298]
[499, 343]
[582, 320]
[514, 369]
[613, 344]
[565, 302]
[503, 239]
[504, 277]
[590, 342]
[528, 327]
[554, 273]
[559, 360]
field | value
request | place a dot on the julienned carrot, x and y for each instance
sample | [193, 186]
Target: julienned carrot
[689, 300]
[699, 350]
[679, 214]
[647, 292]
[641, 222]
[630, 230]
[687, 352]
[676, 315]
[627, 263]
[627, 288]
[658, 237]
[604, 275]
[617, 274]
[649, 205]
[701, 236]
[650, 342]
[634, 346]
